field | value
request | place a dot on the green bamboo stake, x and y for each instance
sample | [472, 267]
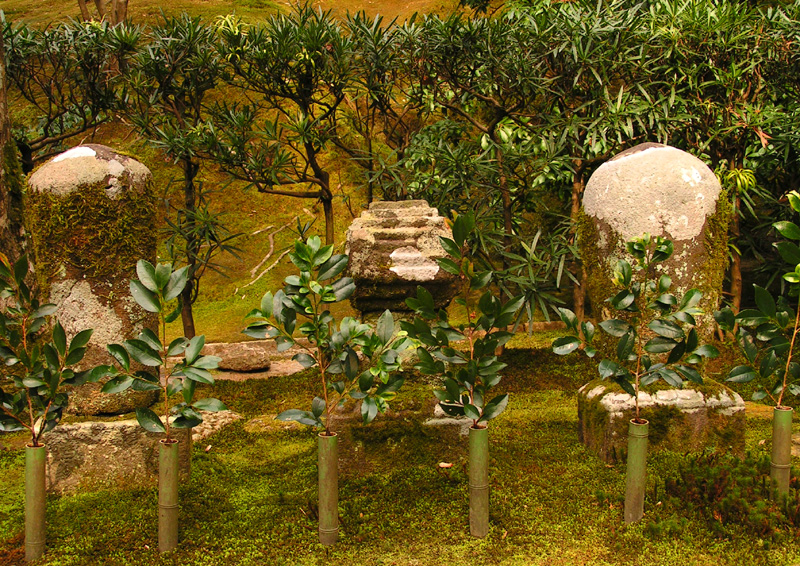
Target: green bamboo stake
[636, 474]
[35, 470]
[328, 463]
[781, 464]
[167, 496]
[479, 482]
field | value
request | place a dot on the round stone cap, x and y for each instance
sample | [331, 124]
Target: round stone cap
[87, 165]
[653, 188]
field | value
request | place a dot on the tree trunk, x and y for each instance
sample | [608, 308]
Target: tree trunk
[189, 295]
[736, 261]
[187, 316]
[84, 11]
[326, 196]
[327, 207]
[119, 11]
[508, 226]
[578, 291]
[101, 8]
[11, 178]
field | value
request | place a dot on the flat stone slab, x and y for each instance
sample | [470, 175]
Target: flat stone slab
[692, 419]
[117, 452]
[440, 418]
[242, 356]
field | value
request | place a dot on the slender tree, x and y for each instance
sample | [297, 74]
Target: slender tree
[294, 70]
[172, 76]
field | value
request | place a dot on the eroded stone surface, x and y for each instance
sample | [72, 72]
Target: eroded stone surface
[393, 248]
[88, 165]
[685, 420]
[117, 452]
[653, 188]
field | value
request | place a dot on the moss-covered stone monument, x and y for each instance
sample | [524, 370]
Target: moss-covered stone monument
[90, 214]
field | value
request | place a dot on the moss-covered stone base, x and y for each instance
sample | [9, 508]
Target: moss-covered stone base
[693, 419]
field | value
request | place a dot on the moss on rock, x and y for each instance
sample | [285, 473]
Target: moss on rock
[694, 419]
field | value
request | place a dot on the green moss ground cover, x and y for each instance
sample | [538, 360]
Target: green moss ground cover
[251, 496]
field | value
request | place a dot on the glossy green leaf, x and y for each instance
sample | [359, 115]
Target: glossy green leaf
[147, 275]
[615, 327]
[332, 267]
[741, 374]
[385, 327]
[194, 348]
[302, 417]
[666, 328]
[60, 339]
[472, 412]
[117, 384]
[789, 251]
[120, 354]
[764, 301]
[81, 340]
[150, 421]
[568, 317]
[210, 404]
[317, 406]
[494, 408]
[177, 283]
[142, 353]
[787, 229]
[144, 297]
[200, 375]
[369, 410]
[565, 345]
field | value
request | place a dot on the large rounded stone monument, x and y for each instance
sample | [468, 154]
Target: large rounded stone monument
[393, 248]
[662, 191]
[91, 217]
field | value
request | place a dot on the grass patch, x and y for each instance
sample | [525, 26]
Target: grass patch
[252, 498]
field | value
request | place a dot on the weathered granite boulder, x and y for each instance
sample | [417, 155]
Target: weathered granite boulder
[111, 452]
[666, 192]
[692, 419]
[393, 248]
[91, 217]
[117, 452]
[242, 356]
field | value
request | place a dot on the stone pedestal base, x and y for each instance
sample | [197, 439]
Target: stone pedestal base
[114, 452]
[693, 419]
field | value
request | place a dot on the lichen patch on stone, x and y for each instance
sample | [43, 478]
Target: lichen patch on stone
[80, 151]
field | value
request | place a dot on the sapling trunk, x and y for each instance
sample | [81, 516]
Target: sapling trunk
[35, 475]
[781, 461]
[479, 481]
[328, 464]
[167, 495]
[636, 473]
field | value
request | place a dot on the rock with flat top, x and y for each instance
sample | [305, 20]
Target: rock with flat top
[692, 419]
[242, 357]
[118, 453]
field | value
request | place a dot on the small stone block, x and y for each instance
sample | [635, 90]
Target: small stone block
[692, 419]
